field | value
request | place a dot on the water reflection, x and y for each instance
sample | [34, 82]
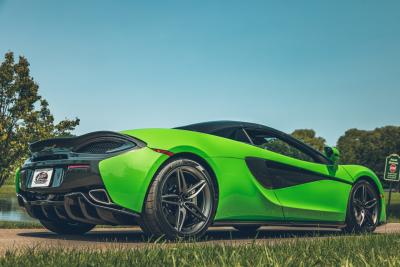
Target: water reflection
[10, 211]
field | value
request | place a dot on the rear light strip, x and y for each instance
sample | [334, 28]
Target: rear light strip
[78, 167]
[162, 151]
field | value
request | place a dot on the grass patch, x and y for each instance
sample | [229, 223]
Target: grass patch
[371, 250]
[19, 225]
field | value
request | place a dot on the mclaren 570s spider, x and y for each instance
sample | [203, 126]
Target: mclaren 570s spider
[178, 182]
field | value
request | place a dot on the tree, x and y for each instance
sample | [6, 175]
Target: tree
[24, 115]
[369, 148]
[309, 137]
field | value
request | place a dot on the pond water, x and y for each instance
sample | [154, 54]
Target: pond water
[10, 211]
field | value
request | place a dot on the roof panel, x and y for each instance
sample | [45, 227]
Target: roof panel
[212, 126]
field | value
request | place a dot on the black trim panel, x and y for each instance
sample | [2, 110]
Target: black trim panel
[275, 175]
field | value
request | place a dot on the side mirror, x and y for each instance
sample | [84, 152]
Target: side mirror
[333, 154]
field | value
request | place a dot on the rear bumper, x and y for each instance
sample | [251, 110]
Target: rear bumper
[76, 194]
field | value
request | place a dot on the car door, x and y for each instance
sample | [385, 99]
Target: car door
[243, 200]
[307, 186]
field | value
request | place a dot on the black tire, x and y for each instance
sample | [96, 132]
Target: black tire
[249, 229]
[146, 230]
[65, 228]
[362, 215]
[169, 208]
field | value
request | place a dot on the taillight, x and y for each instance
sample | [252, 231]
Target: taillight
[78, 167]
[162, 151]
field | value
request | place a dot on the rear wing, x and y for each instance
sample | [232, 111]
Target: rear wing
[78, 143]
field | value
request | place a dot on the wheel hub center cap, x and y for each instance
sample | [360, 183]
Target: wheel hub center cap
[181, 200]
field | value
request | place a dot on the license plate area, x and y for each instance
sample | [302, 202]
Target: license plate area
[42, 177]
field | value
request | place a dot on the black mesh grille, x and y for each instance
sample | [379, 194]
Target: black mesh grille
[100, 147]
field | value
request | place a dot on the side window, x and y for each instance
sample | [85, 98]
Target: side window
[275, 144]
[241, 136]
[226, 133]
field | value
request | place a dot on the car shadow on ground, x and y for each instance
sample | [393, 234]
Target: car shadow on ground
[225, 234]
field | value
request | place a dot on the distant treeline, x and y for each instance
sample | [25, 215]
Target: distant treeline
[368, 148]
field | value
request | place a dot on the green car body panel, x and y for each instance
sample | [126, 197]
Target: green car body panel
[241, 197]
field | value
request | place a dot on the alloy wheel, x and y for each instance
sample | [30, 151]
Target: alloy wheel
[186, 200]
[365, 205]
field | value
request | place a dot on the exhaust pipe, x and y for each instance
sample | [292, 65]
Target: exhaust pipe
[100, 196]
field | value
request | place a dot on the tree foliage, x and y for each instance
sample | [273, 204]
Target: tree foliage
[281, 147]
[369, 148]
[309, 137]
[24, 115]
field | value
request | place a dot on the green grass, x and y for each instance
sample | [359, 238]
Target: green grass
[368, 250]
[19, 225]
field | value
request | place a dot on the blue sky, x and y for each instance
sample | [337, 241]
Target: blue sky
[326, 65]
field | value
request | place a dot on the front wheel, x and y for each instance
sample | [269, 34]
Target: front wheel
[363, 209]
[181, 201]
[66, 228]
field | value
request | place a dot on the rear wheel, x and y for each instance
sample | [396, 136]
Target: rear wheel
[247, 228]
[363, 208]
[66, 228]
[181, 201]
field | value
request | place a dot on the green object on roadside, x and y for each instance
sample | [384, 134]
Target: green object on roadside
[392, 168]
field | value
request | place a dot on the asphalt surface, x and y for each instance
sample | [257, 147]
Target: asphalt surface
[105, 238]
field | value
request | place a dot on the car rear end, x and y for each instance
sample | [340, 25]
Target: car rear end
[61, 180]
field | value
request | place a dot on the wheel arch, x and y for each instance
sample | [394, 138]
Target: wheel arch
[371, 181]
[191, 156]
[203, 162]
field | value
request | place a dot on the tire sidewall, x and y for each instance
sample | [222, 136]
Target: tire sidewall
[351, 222]
[164, 225]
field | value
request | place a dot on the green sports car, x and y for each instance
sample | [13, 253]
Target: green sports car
[177, 182]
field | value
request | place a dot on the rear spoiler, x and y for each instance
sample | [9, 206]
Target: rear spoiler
[75, 142]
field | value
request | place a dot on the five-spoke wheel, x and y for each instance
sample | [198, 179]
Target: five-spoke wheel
[363, 210]
[181, 201]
